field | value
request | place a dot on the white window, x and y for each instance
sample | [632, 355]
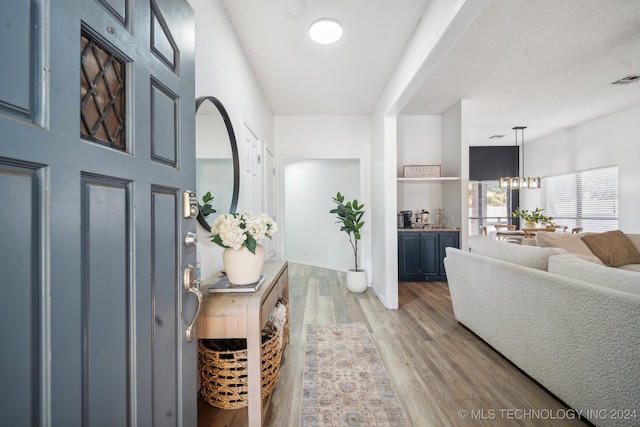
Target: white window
[587, 199]
[488, 205]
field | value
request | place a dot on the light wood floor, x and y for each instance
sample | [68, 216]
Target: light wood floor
[439, 368]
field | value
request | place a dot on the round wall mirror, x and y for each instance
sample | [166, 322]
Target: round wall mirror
[217, 163]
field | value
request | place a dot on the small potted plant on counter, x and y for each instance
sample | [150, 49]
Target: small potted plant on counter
[349, 217]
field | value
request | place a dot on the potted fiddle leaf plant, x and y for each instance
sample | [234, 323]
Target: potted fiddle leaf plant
[349, 217]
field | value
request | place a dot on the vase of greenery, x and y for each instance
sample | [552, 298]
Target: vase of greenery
[532, 218]
[349, 216]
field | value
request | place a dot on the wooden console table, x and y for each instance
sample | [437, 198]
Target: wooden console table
[244, 315]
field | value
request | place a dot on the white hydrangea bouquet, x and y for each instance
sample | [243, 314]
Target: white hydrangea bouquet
[235, 230]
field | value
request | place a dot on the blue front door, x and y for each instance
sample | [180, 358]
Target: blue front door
[96, 149]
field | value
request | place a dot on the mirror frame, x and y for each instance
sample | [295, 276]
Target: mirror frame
[234, 153]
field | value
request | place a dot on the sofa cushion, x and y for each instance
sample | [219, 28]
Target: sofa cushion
[635, 239]
[613, 248]
[569, 265]
[630, 267]
[572, 243]
[528, 256]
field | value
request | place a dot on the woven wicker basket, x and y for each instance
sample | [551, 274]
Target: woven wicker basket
[223, 369]
[285, 329]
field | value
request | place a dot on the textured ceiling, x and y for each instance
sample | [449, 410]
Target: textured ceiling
[544, 64]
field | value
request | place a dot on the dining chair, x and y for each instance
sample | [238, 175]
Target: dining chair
[500, 227]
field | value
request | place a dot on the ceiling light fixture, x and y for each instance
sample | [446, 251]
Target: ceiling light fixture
[516, 183]
[325, 31]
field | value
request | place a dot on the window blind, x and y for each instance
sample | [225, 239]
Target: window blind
[587, 199]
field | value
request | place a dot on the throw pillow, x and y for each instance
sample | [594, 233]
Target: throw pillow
[572, 243]
[613, 248]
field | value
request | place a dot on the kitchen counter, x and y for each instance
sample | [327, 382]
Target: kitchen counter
[427, 230]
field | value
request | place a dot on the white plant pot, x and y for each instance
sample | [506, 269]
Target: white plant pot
[243, 267]
[357, 281]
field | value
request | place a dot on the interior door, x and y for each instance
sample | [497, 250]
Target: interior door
[252, 200]
[96, 120]
[269, 198]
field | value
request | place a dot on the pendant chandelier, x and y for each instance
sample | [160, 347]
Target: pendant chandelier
[516, 182]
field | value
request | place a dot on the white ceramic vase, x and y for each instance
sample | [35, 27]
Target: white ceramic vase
[243, 267]
[357, 281]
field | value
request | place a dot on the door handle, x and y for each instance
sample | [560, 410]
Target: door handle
[191, 284]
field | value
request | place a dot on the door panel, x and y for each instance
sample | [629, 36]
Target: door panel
[408, 254]
[428, 253]
[117, 8]
[20, 304]
[166, 332]
[446, 240]
[164, 142]
[20, 34]
[90, 246]
[106, 300]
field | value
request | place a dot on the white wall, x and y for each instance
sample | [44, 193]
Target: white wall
[455, 161]
[325, 138]
[222, 70]
[419, 143]
[608, 141]
[442, 23]
[311, 233]
[384, 243]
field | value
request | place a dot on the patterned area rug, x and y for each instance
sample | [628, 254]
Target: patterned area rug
[345, 382]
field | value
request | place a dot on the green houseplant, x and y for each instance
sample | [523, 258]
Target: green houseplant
[206, 208]
[532, 217]
[349, 217]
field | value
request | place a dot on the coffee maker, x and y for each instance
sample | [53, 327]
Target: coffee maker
[406, 219]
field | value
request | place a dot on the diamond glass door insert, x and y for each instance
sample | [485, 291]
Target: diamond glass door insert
[102, 96]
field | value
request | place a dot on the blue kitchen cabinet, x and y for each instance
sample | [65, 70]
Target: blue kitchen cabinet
[421, 254]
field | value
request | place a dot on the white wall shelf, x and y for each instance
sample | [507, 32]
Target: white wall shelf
[434, 180]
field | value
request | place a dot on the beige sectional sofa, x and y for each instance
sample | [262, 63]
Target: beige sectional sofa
[567, 320]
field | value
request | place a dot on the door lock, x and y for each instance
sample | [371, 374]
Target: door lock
[190, 239]
[189, 204]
